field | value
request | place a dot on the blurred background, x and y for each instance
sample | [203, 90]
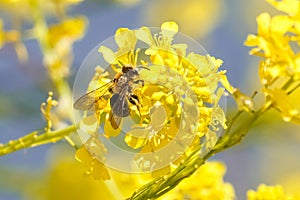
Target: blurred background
[270, 152]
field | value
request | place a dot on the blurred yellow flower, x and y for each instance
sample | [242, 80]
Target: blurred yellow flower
[288, 105]
[290, 183]
[265, 192]
[58, 45]
[192, 15]
[291, 7]
[206, 184]
[279, 70]
[48, 7]
[2, 37]
[65, 179]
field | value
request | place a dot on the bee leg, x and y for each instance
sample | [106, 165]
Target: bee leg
[134, 99]
[142, 82]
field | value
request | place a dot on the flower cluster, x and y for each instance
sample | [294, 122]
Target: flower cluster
[268, 192]
[277, 42]
[55, 38]
[178, 105]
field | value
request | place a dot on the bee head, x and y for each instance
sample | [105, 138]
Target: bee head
[127, 68]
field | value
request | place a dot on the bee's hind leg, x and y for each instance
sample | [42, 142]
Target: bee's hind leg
[134, 99]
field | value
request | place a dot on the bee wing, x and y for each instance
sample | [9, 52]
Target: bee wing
[115, 120]
[119, 104]
[119, 108]
[87, 101]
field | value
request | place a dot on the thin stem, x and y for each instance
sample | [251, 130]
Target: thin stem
[287, 84]
[292, 90]
[35, 138]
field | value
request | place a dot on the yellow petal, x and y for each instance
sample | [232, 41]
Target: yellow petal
[169, 29]
[282, 102]
[125, 39]
[158, 116]
[83, 156]
[226, 83]
[281, 24]
[100, 172]
[144, 34]
[92, 165]
[252, 40]
[289, 6]
[108, 55]
[137, 138]
[200, 62]
[151, 51]
[89, 124]
[263, 22]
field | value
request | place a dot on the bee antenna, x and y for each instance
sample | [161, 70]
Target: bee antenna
[143, 67]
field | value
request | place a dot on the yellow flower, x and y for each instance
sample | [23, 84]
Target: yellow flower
[290, 183]
[178, 102]
[291, 7]
[161, 49]
[128, 183]
[2, 38]
[58, 49]
[48, 7]
[66, 179]
[126, 41]
[192, 15]
[206, 184]
[268, 192]
[279, 70]
[288, 105]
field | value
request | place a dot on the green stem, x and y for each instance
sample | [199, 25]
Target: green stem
[35, 138]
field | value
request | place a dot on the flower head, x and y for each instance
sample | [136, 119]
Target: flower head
[268, 192]
[277, 42]
[177, 94]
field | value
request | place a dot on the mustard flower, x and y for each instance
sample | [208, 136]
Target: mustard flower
[126, 41]
[58, 49]
[65, 178]
[178, 102]
[192, 15]
[269, 192]
[2, 38]
[279, 68]
[49, 7]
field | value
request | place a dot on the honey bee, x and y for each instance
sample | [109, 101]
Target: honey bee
[121, 88]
